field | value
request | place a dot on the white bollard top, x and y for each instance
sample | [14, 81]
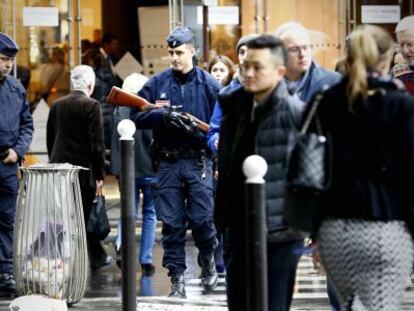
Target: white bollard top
[254, 168]
[126, 129]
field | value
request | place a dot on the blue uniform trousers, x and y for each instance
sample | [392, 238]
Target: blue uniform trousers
[8, 195]
[184, 198]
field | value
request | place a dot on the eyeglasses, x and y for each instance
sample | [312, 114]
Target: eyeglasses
[296, 49]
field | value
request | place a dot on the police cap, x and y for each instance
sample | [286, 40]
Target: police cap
[7, 45]
[179, 36]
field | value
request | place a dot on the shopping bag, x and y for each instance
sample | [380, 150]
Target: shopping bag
[98, 223]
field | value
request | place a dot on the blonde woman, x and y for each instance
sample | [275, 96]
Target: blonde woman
[365, 240]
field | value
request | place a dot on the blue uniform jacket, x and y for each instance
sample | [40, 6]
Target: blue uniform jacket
[16, 123]
[196, 96]
[215, 121]
[313, 81]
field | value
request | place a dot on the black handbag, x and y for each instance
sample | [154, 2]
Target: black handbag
[308, 174]
[98, 223]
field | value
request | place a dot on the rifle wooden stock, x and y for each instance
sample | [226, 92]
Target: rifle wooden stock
[120, 97]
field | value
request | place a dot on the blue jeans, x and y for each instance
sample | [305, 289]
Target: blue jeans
[282, 261]
[149, 219]
[146, 286]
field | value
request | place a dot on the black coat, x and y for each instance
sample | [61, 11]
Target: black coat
[267, 136]
[75, 135]
[373, 152]
[143, 140]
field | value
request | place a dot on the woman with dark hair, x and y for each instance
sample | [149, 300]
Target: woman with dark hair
[222, 69]
[365, 238]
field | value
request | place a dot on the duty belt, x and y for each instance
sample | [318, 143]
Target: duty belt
[175, 154]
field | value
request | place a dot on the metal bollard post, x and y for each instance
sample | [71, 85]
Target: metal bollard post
[126, 129]
[255, 168]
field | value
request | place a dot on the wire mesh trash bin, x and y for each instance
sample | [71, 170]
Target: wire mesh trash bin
[50, 254]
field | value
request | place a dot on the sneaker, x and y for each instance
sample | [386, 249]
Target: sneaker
[148, 269]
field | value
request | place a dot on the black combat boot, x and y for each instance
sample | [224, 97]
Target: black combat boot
[209, 277]
[177, 286]
[7, 283]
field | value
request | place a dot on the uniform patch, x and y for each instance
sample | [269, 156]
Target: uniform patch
[163, 102]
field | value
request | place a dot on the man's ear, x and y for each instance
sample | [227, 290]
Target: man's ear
[91, 87]
[281, 70]
[192, 50]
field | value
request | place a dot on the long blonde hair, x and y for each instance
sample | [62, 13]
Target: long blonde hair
[369, 49]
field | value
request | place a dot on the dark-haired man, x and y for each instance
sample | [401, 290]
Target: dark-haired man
[257, 119]
[184, 195]
[16, 130]
[102, 60]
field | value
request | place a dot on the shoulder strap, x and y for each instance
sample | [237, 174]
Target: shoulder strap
[311, 114]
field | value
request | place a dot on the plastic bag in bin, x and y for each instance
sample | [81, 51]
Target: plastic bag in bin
[47, 265]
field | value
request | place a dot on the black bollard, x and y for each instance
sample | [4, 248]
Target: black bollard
[127, 183]
[254, 168]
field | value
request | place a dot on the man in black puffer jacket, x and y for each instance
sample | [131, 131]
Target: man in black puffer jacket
[258, 118]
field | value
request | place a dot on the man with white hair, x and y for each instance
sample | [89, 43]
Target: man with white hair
[405, 39]
[304, 76]
[75, 136]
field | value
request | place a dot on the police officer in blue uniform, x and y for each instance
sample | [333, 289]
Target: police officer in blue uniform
[184, 194]
[16, 129]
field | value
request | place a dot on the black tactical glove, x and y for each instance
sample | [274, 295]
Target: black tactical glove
[183, 123]
[194, 130]
[175, 119]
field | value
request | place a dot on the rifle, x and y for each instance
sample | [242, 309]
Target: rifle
[200, 124]
[119, 97]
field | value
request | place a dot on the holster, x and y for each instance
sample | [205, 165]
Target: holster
[154, 152]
